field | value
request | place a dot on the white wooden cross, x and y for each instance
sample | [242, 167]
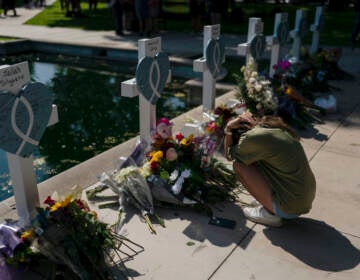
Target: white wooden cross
[255, 43]
[278, 39]
[210, 72]
[301, 28]
[129, 88]
[21, 169]
[315, 28]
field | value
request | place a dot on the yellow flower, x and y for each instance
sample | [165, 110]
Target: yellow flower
[61, 204]
[155, 157]
[187, 141]
[28, 234]
[289, 91]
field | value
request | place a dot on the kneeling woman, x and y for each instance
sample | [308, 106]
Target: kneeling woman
[271, 164]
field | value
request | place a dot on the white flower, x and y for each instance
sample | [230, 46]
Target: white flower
[258, 106]
[174, 175]
[258, 87]
[252, 80]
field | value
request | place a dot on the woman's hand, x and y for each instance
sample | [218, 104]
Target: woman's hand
[245, 120]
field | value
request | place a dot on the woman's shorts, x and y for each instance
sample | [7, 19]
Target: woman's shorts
[278, 212]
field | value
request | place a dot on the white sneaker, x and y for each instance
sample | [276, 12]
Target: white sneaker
[261, 216]
[254, 203]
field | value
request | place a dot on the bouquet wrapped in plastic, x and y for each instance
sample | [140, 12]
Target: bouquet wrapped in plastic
[67, 237]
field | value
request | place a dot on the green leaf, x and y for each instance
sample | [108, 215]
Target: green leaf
[164, 175]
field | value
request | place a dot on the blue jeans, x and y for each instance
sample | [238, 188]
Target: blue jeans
[278, 212]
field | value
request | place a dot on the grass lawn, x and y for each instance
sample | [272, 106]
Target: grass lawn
[53, 16]
[337, 31]
[6, 39]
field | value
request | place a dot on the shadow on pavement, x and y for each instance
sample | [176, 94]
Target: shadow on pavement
[315, 243]
[200, 230]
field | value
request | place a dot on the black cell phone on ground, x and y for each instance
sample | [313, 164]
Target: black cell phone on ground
[222, 222]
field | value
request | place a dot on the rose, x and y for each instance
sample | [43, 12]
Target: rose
[171, 154]
[179, 136]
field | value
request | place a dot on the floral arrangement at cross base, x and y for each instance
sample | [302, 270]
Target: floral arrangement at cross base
[178, 170]
[256, 91]
[65, 240]
[188, 169]
[300, 84]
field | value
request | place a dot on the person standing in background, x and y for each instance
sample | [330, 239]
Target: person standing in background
[9, 5]
[154, 10]
[197, 10]
[356, 28]
[116, 7]
[216, 9]
[93, 4]
[142, 14]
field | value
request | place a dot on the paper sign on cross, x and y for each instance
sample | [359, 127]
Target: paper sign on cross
[278, 39]
[25, 111]
[255, 44]
[300, 31]
[315, 28]
[152, 73]
[210, 64]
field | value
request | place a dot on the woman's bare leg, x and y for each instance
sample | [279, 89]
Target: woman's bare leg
[255, 183]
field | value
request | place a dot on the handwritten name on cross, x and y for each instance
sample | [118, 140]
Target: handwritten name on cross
[210, 64]
[278, 39]
[301, 28]
[152, 73]
[255, 45]
[316, 28]
[25, 111]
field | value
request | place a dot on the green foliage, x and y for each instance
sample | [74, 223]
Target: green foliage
[53, 16]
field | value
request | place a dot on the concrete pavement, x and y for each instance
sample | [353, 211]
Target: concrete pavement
[321, 245]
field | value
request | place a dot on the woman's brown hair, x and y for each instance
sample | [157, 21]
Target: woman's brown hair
[277, 122]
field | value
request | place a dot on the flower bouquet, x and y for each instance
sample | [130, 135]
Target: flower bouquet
[187, 167]
[131, 187]
[67, 236]
[177, 171]
[256, 91]
[290, 77]
[328, 62]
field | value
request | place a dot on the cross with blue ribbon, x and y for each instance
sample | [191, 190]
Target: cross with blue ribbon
[278, 39]
[152, 73]
[299, 32]
[210, 64]
[256, 43]
[315, 28]
[19, 105]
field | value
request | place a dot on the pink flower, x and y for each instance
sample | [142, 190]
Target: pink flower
[211, 127]
[171, 154]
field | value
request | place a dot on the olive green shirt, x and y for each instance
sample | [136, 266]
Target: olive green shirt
[283, 163]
